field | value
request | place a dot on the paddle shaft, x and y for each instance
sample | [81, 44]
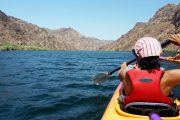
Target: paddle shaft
[111, 72]
[163, 45]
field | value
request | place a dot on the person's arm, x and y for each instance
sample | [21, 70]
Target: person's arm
[173, 77]
[122, 72]
[177, 56]
[175, 39]
[123, 77]
[170, 79]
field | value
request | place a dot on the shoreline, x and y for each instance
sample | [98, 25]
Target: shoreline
[18, 47]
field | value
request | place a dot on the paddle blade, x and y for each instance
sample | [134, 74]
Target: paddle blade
[99, 78]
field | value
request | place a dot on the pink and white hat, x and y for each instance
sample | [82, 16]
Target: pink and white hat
[147, 46]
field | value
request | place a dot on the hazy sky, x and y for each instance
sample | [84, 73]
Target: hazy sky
[104, 19]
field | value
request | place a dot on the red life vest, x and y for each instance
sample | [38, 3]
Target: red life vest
[146, 87]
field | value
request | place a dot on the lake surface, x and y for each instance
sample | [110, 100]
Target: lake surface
[57, 85]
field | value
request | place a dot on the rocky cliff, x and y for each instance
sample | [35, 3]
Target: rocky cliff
[79, 42]
[165, 22]
[16, 31]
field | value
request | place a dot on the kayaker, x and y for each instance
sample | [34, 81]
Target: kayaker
[175, 39]
[148, 82]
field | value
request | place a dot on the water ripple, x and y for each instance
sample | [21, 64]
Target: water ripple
[42, 85]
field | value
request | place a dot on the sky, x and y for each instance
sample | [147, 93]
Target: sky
[103, 19]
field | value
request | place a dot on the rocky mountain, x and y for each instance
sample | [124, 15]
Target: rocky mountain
[16, 31]
[165, 22]
[79, 42]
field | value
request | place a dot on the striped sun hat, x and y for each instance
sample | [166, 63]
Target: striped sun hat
[147, 46]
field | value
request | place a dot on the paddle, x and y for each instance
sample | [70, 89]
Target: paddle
[101, 77]
[170, 59]
[154, 116]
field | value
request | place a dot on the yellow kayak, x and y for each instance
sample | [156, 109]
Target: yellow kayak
[113, 111]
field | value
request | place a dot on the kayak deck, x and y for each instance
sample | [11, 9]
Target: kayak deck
[113, 111]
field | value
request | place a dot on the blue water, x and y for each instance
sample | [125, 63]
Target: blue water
[57, 85]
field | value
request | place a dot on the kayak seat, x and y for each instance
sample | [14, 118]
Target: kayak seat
[145, 108]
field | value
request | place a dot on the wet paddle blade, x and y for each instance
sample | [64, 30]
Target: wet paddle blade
[99, 78]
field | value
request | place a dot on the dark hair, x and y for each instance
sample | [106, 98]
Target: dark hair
[149, 63]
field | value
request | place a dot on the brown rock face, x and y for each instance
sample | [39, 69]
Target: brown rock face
[165, 22]
[16, 31]
[176, 20]
[3, 16]
[79, 42]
